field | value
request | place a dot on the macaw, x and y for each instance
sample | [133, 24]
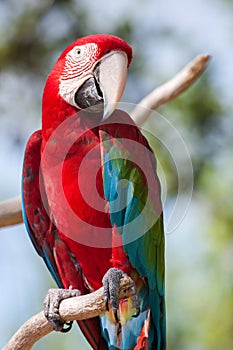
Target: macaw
[91, 195]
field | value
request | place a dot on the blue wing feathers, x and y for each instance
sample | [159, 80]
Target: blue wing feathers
[127, 204]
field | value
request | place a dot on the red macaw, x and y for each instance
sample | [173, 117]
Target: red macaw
[91, 196]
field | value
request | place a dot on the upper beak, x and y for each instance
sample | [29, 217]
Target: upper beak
[103, 88]
[112, 74]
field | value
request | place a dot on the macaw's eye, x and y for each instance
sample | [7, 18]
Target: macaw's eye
[78, 52]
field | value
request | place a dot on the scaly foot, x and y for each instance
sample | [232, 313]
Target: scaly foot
[51, 307]
[111, 283]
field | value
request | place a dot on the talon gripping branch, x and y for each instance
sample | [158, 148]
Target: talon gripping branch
[91, 195]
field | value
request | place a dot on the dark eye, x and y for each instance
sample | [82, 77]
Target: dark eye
[78, 51]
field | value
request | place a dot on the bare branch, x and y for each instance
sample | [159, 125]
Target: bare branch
[170, 90]
[77, 308]
[11, 212]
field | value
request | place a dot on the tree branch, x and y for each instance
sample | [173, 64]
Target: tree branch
[10, 211]
[170, 90]
[77, 308]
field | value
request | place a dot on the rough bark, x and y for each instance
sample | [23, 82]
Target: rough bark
[77, 308]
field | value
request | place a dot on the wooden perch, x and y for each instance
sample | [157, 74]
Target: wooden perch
[10, 211]
[77, 308]
[170, 90]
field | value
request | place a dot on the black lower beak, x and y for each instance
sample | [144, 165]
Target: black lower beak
[89, 94]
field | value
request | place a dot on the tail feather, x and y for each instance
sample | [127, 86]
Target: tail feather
[157, 305]
[133, 335]
[145, 332]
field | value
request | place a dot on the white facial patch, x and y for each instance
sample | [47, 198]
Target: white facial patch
[78, 68]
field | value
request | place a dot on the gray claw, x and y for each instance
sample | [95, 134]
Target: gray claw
[111, 283]
[116, 315]
[106, 299]
[136, 313]
[134, 296]
[51, 307]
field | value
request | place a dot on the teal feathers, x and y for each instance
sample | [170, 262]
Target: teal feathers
[133, 193]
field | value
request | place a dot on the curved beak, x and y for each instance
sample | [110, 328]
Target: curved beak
[112, 74]
[103, 88]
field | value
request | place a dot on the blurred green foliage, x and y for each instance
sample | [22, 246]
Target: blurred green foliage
[33, 34]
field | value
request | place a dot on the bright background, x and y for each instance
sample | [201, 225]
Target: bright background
[165, 35]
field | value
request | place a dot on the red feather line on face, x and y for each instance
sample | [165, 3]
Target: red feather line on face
[79, 60]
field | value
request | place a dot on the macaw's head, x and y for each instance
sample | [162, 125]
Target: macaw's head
[91, 72]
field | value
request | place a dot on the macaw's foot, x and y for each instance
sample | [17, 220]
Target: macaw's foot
[51, 307]
[111, 283]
